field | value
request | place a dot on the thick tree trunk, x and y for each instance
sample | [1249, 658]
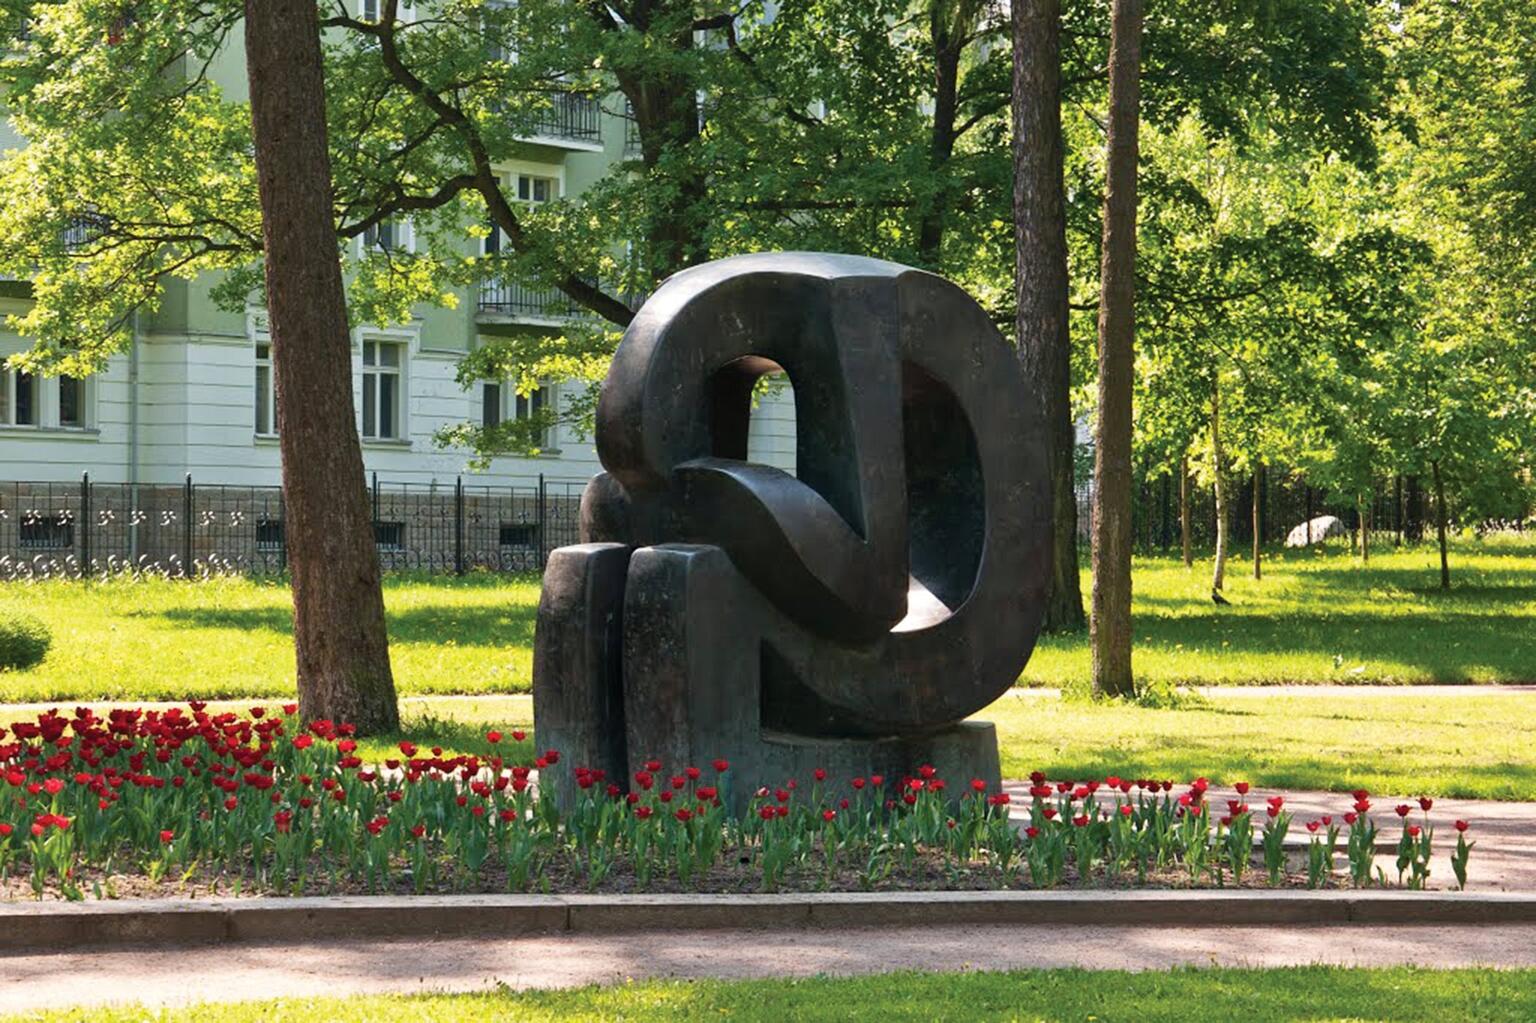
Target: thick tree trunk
[1110, 627]
[1189, 558]
[338, 605]
[1258, 522]
[1219, 488]
[1040, 226]
[1445, 559]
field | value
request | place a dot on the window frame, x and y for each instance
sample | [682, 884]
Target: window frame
[373, 374]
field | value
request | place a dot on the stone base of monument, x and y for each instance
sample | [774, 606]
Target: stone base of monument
[957, 754]
[665, 654]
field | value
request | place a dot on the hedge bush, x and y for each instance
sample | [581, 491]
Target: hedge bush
[24, 640]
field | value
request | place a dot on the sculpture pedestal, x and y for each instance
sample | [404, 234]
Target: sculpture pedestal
[666, 653]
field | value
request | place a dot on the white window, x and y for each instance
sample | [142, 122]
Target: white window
[501, 402]
[71, 402]
[266, 390]
[536, 189]
[372, 10]
[382, 390]
[48, 402]
[18, 398]
[530, 190]
[388, 235]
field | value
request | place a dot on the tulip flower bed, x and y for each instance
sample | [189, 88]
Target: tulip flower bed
[136, 802]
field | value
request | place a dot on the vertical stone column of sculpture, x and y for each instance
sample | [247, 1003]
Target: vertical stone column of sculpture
[578, 696]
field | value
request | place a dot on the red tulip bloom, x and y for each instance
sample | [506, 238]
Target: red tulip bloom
[1032, 831]
[231, 803]
[304, 741]
[418, 830]
[1362, 805]
[1000, 799]
[819, 774]
[858, 784]
[407, 748]
[1242, 788]
[1404, 810]
[1312, 826]
[290, 709]
[1462, 825]
[5, 830]
[1425, 803]
[1081, 821]
[766, 813]
[1413, 831]
[167, 837]
[1049, 812]
[678, 781]
[493, 737]
[1037, 777]
[1126, 809]
[644, 779]
[721, 765]
[692, 773]
[977, 785]
[257, 712]
[927, 771]
[653, 765]
[665, 795]
[1360, 794]
[877, 780]
[1350, 818]
[829, 815]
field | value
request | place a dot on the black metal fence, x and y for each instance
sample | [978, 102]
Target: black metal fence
[1397, 512]
[195, 529]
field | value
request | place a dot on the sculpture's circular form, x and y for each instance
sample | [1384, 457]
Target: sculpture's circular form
[911, 548]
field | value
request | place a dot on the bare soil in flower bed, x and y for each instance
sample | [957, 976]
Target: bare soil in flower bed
[565, 877]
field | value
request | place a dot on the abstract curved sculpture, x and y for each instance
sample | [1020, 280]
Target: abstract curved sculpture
[850, 615]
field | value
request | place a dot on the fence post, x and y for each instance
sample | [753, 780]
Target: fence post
[186, 528]
[542, 534]
[85, 525]
[458, 525]
[373, 491]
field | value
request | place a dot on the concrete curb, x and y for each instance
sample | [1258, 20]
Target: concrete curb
[46, 926]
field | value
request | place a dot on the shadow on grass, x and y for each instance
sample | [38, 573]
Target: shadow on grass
[509, 624]
[1224, 761]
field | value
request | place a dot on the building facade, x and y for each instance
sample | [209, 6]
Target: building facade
[194, 393]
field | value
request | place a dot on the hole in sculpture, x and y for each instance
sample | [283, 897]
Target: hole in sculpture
[752, 413]
[946, 517]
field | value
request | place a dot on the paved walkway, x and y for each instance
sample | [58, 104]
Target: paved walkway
[168, 976]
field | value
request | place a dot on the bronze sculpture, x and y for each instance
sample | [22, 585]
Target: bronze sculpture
[849, 616]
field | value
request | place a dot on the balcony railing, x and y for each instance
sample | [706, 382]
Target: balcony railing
[571, 116]
[510, 298]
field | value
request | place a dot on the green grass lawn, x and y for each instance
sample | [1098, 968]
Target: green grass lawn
[1314, 618]
[1473, 745]
[1311, 994]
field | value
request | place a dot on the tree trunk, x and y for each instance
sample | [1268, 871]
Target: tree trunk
[1040, 226]
[1110, 627]
[338, 605]
[1189, 559]
[1219, 486]
[1363, 511]
[1445, 561]
[1258, 522]
[949, 29]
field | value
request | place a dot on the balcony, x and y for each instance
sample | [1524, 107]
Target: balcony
[571, 118]
[519, 302]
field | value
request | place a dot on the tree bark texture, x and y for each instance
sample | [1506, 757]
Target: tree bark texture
[338, 605]
[1043, 318]
[1445, 560]
[1110, 627]
[1258, 522]
[1219, 488]
[1189, 558]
